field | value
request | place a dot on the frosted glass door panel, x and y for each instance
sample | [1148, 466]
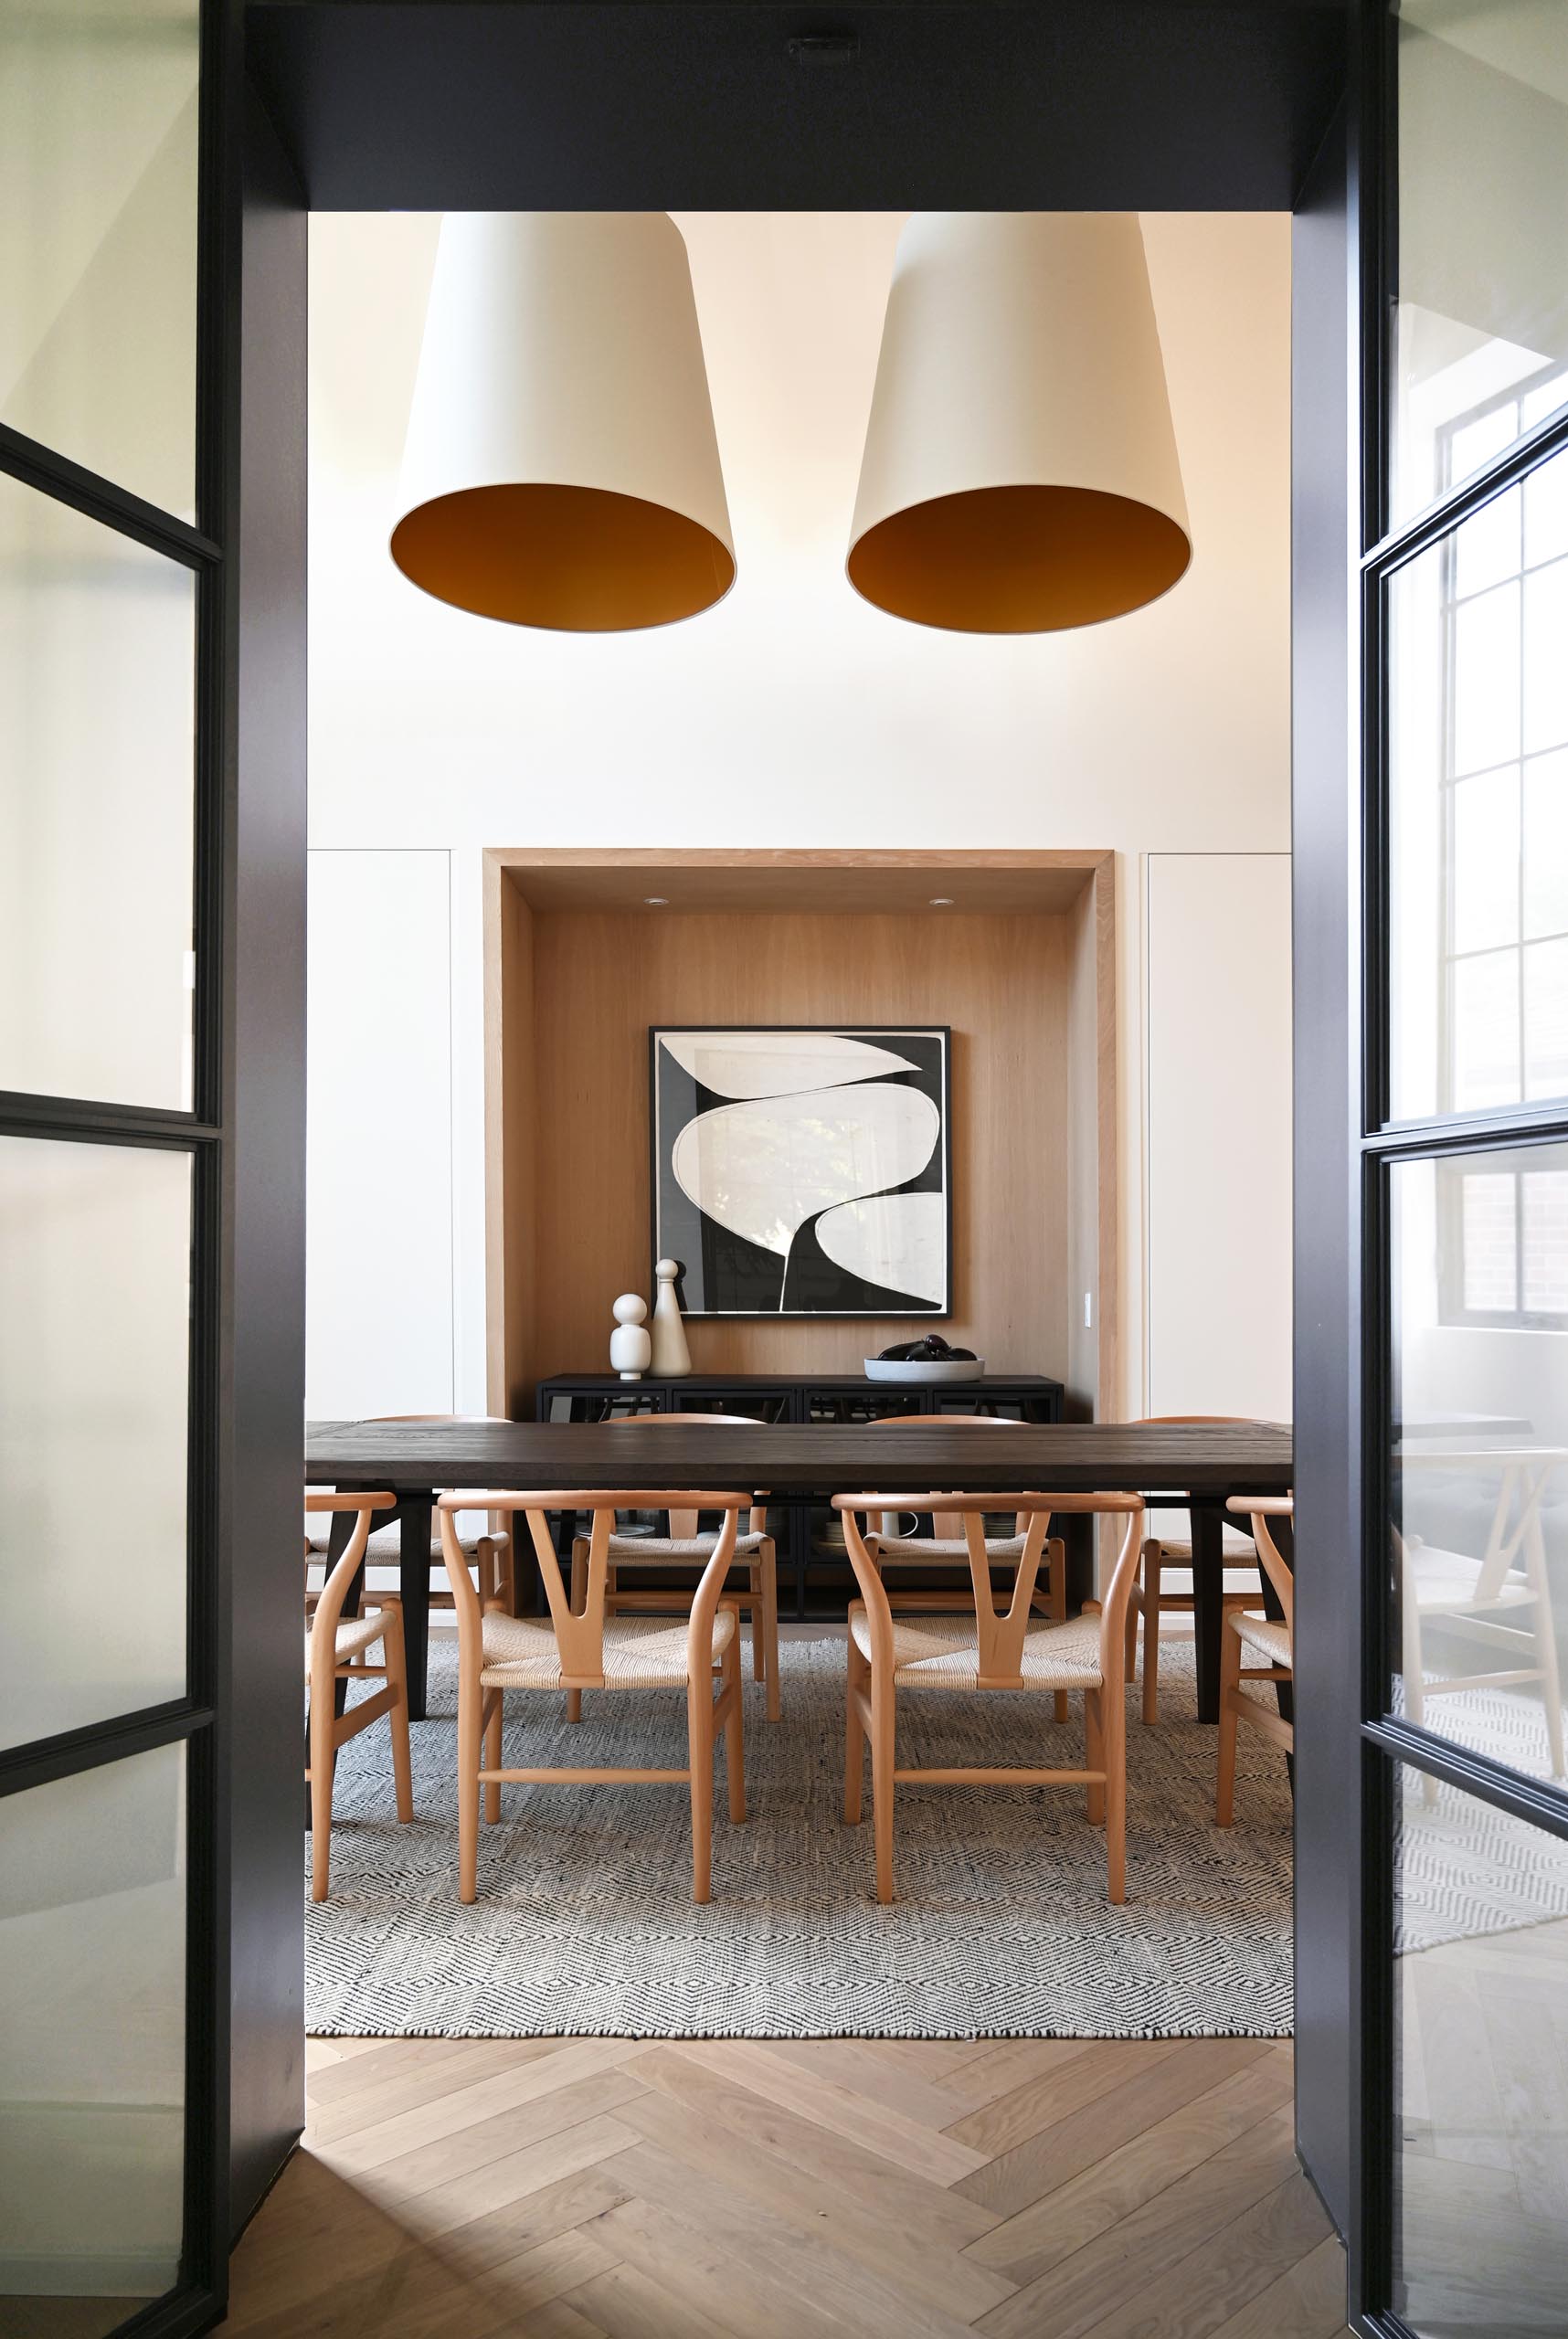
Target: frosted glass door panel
[93, 1954]
[95, 1288]
[1478, 1554]
[98, 241]
[1481, 324]
[1480, 2229]
[97, 748]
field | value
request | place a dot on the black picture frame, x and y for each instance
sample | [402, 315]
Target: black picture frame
[731, 1272]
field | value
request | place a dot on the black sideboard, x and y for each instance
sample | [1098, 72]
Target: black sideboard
[819, 1576]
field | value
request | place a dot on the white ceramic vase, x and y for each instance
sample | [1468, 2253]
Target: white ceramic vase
[630, 1349]
[672, 1357]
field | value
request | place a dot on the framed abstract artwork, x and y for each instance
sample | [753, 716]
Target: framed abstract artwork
[804, 1169]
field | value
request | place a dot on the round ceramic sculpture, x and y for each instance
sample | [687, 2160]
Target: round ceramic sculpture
[630, 1349]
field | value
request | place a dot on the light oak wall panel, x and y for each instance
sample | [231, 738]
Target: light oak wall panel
[601, 978]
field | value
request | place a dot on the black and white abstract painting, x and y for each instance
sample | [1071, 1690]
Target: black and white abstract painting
[804, 1171]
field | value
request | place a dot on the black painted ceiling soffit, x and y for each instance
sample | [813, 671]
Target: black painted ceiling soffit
[745, 105]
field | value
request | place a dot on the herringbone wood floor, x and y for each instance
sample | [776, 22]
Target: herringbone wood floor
[637, 2189]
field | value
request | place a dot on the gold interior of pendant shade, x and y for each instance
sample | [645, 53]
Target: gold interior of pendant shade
[1028, 559]
[576, 559]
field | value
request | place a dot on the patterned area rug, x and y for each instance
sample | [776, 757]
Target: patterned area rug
[585, 1923]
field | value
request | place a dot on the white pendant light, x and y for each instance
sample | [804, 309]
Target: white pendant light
[561, 468]
[1020, 471]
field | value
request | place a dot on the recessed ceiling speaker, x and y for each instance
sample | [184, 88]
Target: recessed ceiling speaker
[1020, 472]
[561, 468]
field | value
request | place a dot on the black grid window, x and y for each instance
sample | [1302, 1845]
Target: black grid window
[1503, 981]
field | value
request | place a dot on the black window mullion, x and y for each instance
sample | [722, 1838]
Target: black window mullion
[99, 499]
[96, 1744]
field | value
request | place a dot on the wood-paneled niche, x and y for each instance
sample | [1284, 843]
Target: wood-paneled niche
[1022, 965]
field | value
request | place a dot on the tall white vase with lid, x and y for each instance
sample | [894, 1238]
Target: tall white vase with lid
[672, 1357]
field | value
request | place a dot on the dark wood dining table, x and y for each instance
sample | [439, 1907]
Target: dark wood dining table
[1192, 1467]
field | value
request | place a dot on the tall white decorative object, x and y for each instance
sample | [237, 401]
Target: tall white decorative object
[672, 1357]
[630, 1349]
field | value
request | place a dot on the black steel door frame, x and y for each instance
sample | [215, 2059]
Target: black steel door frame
[1357, 1474]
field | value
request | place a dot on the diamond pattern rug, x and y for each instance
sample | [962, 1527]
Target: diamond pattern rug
[585, 1923]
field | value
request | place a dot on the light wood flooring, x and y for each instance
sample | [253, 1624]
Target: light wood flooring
[635, 2189]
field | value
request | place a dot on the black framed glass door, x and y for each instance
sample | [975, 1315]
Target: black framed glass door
[1462, 2208]
[112, 1145]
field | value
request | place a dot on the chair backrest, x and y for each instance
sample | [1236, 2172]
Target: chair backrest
[1191, 1421]
[1258, 1510]
[324, 1617]
[1000, 1633]
[440, 1417]
[1514, 1536]
[684, 1523]
[580, 1634]
[947, 1524]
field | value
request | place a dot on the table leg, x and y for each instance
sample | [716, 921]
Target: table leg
[1208, 1604]
[414, 1513]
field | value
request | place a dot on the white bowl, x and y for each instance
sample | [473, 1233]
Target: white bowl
[882, 1367]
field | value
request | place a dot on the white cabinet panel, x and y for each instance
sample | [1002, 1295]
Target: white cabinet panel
[1218, 1122]
[379, 1167]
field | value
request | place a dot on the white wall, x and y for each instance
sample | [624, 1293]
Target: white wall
[794, 713]
[378, 1195]
[1217, 1113]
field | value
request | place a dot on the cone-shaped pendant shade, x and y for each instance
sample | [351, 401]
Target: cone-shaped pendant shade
[561, 468]
[1019, 470]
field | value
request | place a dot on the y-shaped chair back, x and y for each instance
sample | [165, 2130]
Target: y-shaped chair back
[497, 1652]
[1012, 1650]
[944, 1524]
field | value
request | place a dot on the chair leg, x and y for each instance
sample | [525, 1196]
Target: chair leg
[1553, 1690]
[397, 1720]
[1412, 1671]
[1059, 1607]
[493, 1758]
[700, 1762]
[1546, 1651]
[1114, 1732]
[1095, 1752]
[769, 1624]
[754, 1581]
[881, 1744]
[470, 1730]
[1152, 1586]
[322, 1751]
[1230, 1693]
[733, 1734]
[854, 1736]
[580, 1597]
